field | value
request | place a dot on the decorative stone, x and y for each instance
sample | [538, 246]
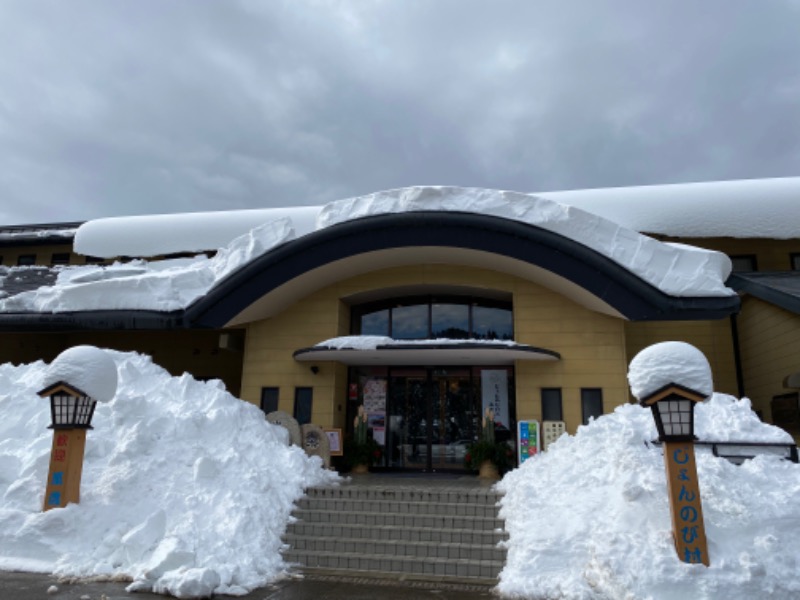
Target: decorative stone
[316, 443]
[289, 423]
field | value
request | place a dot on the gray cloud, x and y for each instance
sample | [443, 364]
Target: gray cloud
[111, 107]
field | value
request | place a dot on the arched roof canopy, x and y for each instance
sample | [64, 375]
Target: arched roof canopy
[320, 258]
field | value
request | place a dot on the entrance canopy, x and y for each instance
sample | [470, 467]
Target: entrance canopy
[378, 350]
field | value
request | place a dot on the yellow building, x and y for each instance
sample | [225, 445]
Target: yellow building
[427, 310]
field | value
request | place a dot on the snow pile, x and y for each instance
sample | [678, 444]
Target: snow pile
[88, 369]
[590, 517]
[665, 363]
[186, 489]
[677, 270]
[163, 285]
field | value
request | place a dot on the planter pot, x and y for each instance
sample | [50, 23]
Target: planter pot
[360, 469]
[488, 470]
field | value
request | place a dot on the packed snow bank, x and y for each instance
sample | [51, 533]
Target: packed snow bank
[186, 489]
[157, 235]
[589, 518]
[669, 362]
[162, 285]
[677, 270]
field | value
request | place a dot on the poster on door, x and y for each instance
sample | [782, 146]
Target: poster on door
[494, 394]
[375, 407]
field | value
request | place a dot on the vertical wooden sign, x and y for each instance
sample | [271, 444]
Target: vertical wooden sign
[66, 467]
[688, 529]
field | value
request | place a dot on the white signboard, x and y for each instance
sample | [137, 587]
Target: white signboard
[494, 394]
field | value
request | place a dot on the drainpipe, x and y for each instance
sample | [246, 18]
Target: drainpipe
[737, 356]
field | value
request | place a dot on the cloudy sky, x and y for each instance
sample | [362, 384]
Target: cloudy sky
[147, 106]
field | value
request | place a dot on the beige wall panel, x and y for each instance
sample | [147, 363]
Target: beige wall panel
[770, 339]
[712, 338]
[771, 255]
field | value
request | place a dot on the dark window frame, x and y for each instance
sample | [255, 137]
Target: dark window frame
[26, 260]
[59, 258]
[359, 311]
[270, 399]
[547, 403]
[753, 260]
[794, 261]
[588, 396]
[303, 404]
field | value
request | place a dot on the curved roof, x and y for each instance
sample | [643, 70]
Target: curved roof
[286, 273]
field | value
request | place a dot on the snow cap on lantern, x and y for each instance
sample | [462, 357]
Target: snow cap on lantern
[666, 363]
[85, 368]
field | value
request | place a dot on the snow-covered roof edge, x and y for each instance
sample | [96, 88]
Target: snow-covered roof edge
[675, 269]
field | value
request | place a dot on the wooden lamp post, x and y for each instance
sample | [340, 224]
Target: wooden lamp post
[673, 411]
[71, 411]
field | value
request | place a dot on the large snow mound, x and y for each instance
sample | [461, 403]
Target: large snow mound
[186, 490]
[669, 362]
[675, 269]
[590, 518]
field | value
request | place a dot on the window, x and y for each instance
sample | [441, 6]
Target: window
[432, 317]
[26, 259]
[786, 412]
[591, 403]
[744, 263]
[269, 399]
[59, 258]
[795, 257]
[551, 404]
[302, 404]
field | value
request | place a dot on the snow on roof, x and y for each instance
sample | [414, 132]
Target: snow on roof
[675, 269]
[158, 235]
[750, 208]
[760, 208]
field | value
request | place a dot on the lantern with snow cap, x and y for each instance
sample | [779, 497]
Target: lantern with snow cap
[673, 411]
[74, 382]
[70, 408]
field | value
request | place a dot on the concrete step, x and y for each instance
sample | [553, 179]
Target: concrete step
[477, 496]
[373, 519]
[325, 531]
[389, 547]
[390, 505]
[389, 565]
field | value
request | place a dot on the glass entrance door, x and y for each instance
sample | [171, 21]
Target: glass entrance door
[433, 414]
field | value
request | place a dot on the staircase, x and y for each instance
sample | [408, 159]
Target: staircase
[428, 530]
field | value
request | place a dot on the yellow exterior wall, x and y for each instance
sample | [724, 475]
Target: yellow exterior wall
[44, 254]
[592, 345]
[771, 255]
[196, 352]
[770, 340]
[712, 338]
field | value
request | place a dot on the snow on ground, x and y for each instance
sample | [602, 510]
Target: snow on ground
[590, 517]
[185, 488]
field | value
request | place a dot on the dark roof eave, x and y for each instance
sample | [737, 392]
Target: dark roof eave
[92, 320]
[636, 299]
[762, 286]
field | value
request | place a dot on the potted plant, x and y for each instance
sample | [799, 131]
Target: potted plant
[361, 451]
[488, 456]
